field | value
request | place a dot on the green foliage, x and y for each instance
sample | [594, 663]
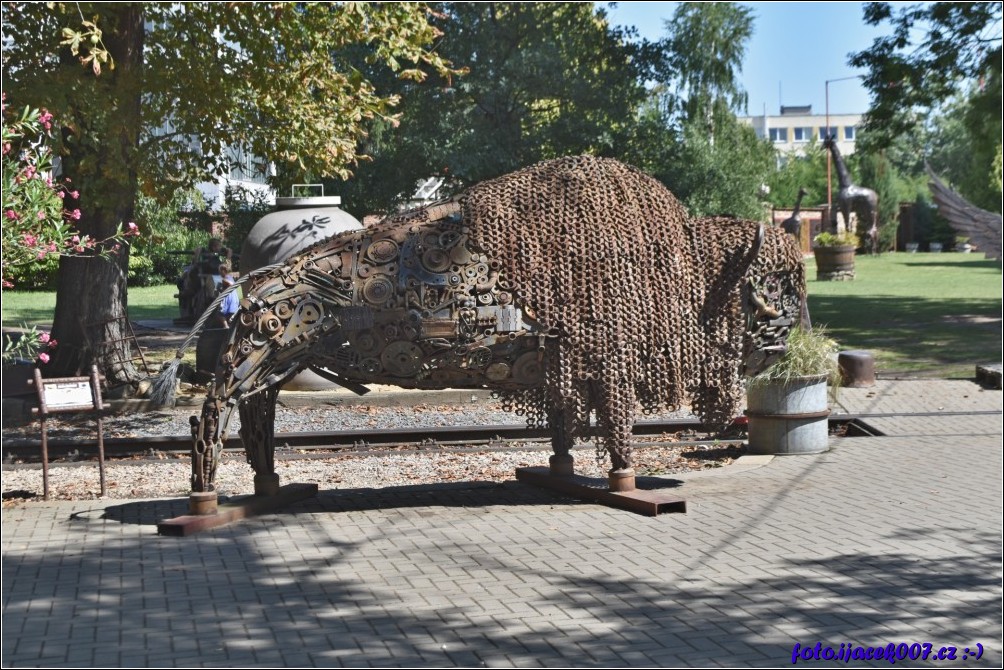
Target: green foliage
[37, 276]
[720, 176]
[705, 47]
[29, 344]
[195, 85]
[808, 353]
[931, 50]
[806, 170]
[141, 271]
[691, 140]
[168, 228]
[962, 145]
[244, 208]
[878, 174]
[37, 227]
[844, 239]
[543, 80]
[936, 80]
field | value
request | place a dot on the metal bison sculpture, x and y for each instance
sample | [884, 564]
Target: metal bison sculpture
[576, 287]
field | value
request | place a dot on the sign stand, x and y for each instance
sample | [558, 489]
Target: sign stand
[69, 394]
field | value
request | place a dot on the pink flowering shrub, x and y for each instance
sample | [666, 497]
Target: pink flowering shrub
[36, 224]
[31, 345]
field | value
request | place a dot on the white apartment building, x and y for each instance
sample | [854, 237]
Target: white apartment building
[796, 126]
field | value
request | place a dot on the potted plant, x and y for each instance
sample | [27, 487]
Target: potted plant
[787, 403]
[835, 255]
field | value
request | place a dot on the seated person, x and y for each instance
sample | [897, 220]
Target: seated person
[205, 261]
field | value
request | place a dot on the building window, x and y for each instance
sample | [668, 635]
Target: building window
[778, 134]
[823, 134]
[803, 134]
[849, 132]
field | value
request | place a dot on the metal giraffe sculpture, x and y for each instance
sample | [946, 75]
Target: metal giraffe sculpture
[851, 197]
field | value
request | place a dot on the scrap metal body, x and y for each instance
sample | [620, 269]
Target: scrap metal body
[566, 304]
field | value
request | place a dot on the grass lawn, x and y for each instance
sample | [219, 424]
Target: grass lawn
[920, 314]
[933, 315]
[37, 307]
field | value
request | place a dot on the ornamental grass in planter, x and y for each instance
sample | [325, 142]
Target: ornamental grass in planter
[787, 402]
[835, 255]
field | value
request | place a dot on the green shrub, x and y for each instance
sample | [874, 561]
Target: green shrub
[40, 276]
[141, 272]
[167, 231]
[244, 208]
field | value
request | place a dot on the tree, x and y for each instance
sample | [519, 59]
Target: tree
[725, 177]
[807, 170]
[542, 80]
[878, 174]
[187, 85]
[937, 78]
[705, 47]
[961, 41]
[687, 135]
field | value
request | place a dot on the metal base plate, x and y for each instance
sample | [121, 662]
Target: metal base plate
[236, 509]
[649, 503]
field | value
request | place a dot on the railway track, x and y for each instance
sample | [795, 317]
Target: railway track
[459, 438]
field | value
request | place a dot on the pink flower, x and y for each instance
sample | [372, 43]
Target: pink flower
[116, 247]
[41, 216]
[75, 239]
[132, 229]
[11, 214]
[29, 172]
[43, 337]
[52, 344]
[29, 239]
[41, 254]
[6, 148]
[43, 357]
[52, 247]
[75, 194]
[60, 194]
[7, 284]
[45, 118]
[79, 249]
[75, 215]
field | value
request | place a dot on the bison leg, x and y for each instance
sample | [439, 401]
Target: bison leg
[615, 419]
[561, 461]
[257, 433]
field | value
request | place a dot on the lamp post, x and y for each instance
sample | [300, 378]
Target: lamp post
[829, 154]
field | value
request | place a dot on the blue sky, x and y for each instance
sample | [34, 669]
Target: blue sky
[796, 46]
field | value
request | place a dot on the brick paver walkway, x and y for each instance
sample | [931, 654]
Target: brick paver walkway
[892, 539]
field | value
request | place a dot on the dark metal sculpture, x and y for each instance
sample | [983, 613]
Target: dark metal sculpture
[983, 228]
[853, 198]
[574, 286]
[793, 224]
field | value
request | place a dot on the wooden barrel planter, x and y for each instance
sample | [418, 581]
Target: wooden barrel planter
[789, 418]
[834, 263]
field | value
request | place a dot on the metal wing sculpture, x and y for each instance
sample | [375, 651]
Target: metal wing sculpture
[983, 228]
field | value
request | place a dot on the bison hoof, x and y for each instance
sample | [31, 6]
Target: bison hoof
[621, 480]
[202, 503]
[562, 465]
[266, 484]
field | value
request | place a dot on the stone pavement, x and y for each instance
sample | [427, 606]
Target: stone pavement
[893, 539]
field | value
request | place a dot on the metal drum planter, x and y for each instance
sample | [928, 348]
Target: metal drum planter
[789, 418]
